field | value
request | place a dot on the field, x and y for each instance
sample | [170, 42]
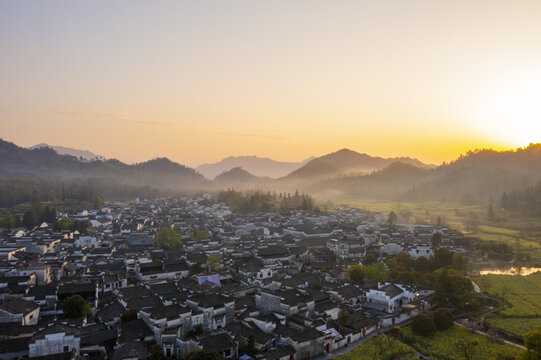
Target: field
[523, 295]
[443, 345]
[370, 350]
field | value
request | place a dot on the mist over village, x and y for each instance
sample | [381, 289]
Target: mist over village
[245, 180]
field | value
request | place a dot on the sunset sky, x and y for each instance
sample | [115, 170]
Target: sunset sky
[197, 81]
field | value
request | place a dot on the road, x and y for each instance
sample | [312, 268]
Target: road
[353, 345]
[486, 335]
[476, 287]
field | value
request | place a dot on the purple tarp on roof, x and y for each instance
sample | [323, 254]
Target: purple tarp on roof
[215, 278]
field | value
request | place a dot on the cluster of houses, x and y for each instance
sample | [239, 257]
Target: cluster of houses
[276, 292]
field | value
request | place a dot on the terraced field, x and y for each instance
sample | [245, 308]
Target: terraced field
[370, 350]
[523, 294]
[443, 345]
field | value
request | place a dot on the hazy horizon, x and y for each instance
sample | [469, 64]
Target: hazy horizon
[224, 157]
[198, 81]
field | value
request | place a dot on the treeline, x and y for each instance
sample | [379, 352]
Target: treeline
[526, 200]
[35, 216]
[87, 192]
[15, 191]
[265, 202]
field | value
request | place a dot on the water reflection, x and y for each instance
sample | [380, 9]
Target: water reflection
[523, 271]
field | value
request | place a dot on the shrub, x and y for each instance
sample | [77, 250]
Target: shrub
[156, 352]
[423, 325]
[129, 315]
[75, 306]
[443, 319]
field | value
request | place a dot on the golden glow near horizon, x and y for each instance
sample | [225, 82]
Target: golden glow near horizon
[199, 81]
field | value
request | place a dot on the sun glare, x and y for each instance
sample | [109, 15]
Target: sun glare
[510, 109]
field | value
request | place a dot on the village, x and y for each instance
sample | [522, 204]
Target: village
[246, 285]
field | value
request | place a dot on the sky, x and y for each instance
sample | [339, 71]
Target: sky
[196, 81]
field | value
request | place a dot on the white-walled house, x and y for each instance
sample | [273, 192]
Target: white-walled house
[390, 297]
[19, 311]
[421, 250]
[56, 339]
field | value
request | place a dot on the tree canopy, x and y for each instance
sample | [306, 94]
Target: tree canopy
[423, 325]
[213, 263]
[75, 306]
[532, 341]
[129, 315]
[168, 238]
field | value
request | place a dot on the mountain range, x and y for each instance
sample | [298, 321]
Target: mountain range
[63, 150]
[474, 177]
[254, 165]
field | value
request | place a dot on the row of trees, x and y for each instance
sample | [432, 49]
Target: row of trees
[265, 202]
[424, 325]
[15, 191]
[526, 200]
[36, 215]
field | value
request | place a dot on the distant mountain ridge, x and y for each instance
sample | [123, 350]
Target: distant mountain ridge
[238, 177]
[345, 161]
[257, 166]
[63, 150]
[472, 178]
[46, 163]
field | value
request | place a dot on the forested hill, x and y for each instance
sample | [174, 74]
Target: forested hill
[473, 178]
[45, 163]
[344, 162]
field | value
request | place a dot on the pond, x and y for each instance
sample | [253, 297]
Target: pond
[523, 271]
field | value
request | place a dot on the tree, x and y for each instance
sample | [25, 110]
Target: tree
[442, 257]
[423, 325]
[200, 235]
[532, 341]
[204, 355]
[49, 215]
[403, 259]
[75, 306]
[437, 239]
[467, 348]
[422, 264]
[343, 317]
[156, 352]
[376, 272]
[369, 259]
[452, 289]
[62, 224]
[37, 209]
[29, 221]
[443, 319]
[356, 273]
[168, 238]
[129, 315]
[391, 218]
[491, 216]
[196, 268]
[213, 263]
[7, 221]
